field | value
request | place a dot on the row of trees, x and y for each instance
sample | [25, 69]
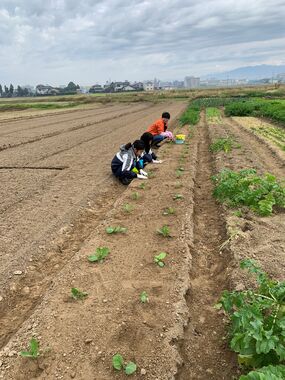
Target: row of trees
[8, 92]
[11, 91]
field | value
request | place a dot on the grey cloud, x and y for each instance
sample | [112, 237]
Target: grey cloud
[150, 35]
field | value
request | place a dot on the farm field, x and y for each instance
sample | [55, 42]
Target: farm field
[151, 299]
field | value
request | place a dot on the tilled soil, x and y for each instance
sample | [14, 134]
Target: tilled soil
[44, 210]
[177, 334]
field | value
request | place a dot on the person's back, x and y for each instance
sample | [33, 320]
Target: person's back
[158, 128]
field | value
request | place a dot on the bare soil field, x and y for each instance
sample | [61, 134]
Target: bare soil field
[53, 217]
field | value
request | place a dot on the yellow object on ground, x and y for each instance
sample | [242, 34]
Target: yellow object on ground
[180, 137]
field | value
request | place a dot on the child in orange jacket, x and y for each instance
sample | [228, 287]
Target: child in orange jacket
[158, 128]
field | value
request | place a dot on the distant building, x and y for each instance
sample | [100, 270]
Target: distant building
[128, 88]
[46, 90]
[156, 83]
[96, 88]
[191, 82]
[138, 86]
[148, 86]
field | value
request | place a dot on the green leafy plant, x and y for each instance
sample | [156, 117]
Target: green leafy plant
[237, 213]
[169, 211]
[225, 144]
[159, 259]
[164, 231]
[33, 353]
[177, 197]
[270, 372]
[100, 255]
[119, 364]
[135, 196]
[128, 208]
[142, 186]
[246, 188]
[257, 316]
[78, 294]
[116, 230]
[144, 297]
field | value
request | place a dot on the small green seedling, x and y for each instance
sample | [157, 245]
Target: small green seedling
[100, 255]
[159, 259]
[142, 186]
[128, 208]
[164, 231]
[78, 294]
[179, 173]
[178, 185]
[151, 174]
[177, 197]
[135, 196]
[144, 297]
[116, 230]
[119, 364]
[237, 213]
[169, 211]
[33, 353]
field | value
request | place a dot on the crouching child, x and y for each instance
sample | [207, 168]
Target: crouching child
[126, 166]
[148, 155]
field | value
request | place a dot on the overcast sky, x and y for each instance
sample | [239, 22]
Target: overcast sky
[89, 41]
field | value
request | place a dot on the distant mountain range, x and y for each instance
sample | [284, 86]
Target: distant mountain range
[250, 72]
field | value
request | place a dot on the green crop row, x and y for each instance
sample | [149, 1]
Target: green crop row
[191, 115]
[257, 325]
[272, 109]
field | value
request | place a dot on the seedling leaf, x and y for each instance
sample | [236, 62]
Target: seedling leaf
[158, 259]
[144, 297]
[34, 345]
[118, 362]
[78, 294]
[164, 231]
[130, 368]
[177, 196]
[34, 350]
[100, 255]
[116, 230]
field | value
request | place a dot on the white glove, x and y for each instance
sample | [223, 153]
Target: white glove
[143, 173]
[157, 161]
[140, 176]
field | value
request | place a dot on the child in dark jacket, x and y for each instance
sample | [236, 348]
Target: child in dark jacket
[125, 165]
[148, 155]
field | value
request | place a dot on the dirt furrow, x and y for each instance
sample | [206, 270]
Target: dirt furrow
[41, 137]
[203, 350]
[43, 123]
[255, 152]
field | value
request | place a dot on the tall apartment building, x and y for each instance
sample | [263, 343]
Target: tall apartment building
[191, 82]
